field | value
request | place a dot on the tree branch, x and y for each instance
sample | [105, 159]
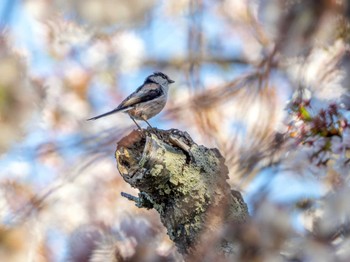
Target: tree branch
[184, 182]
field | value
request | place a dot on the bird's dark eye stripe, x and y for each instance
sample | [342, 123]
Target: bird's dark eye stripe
[148, 81]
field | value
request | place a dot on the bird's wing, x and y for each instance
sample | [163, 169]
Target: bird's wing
[144, 93]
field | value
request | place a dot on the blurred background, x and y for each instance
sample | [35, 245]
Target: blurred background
[264, 81]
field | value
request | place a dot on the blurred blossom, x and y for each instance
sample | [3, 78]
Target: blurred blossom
[96, 54]
[85, 239]
[130, 50]
[17, 100]
[69, 199]
[318, 136]
[64, 37]
[275, 224]
[108, 249]
[5, 208]
[250, 40]
[335, 203]
[61, 117]
[39, 9]
[77, 79]
[16, 170]
[346, 137]
[176, 7]
[309, 250]
[270, 14]
[238, 10]
[342, 251]
[15, 244]
[296, 25]
[319, 72]
[110, 12]
[337, 146]
[133, 239]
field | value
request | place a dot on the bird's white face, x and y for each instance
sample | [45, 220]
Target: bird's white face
[160, 80]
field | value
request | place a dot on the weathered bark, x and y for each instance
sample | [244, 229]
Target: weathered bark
[185, 183]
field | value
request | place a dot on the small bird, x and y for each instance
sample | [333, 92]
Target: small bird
[147, 101]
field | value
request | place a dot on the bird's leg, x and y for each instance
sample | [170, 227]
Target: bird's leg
[148, 123]
[135, 123]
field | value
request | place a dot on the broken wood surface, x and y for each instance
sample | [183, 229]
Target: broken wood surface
[185, 183]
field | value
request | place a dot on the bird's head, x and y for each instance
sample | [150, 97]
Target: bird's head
[159, 78]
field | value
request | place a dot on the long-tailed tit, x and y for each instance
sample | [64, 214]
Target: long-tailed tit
[147, 101]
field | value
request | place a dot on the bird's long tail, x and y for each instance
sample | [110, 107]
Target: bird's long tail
[106, 114]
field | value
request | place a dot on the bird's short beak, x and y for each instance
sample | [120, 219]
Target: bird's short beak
[171, 81]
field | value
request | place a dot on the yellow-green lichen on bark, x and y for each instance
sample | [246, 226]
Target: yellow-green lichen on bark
[156, 170]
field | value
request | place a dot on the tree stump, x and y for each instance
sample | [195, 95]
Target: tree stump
[185, 183]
